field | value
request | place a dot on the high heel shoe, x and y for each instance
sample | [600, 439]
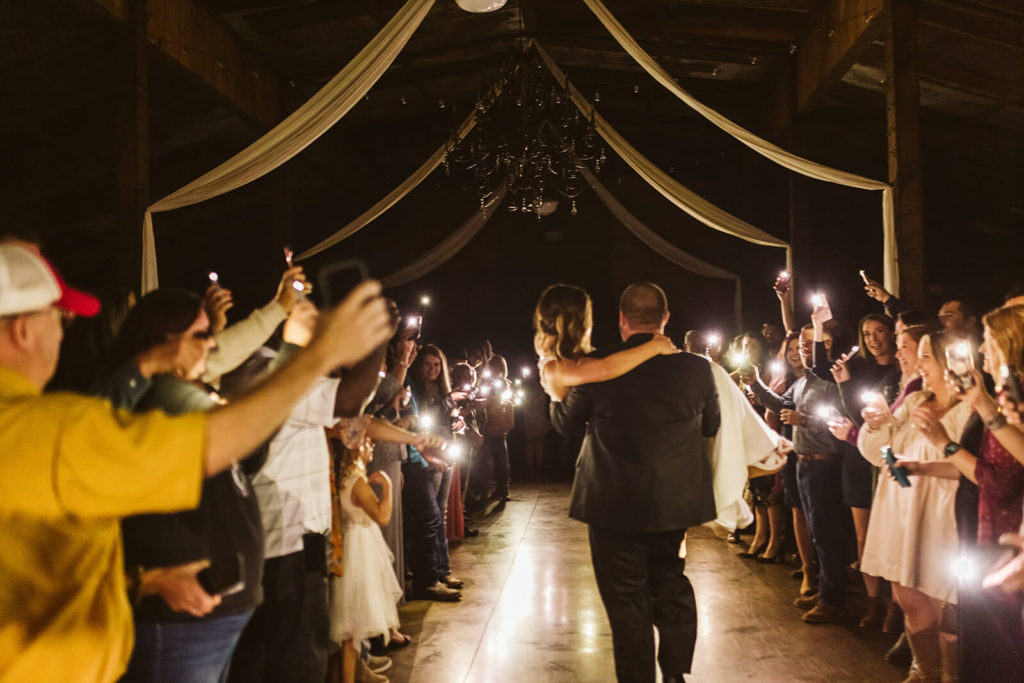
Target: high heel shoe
[774, 559]
[751, 552]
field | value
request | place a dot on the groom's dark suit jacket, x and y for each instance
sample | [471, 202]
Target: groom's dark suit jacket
[643, 465]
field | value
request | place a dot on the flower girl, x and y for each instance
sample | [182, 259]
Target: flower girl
[364, 597]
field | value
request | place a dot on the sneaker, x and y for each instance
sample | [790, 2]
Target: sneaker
[824, 613]
[452, 582]
[378, 665]
[365, 675]
[806, 601]
[439, 592]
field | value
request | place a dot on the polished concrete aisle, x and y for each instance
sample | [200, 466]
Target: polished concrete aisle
[531, 612]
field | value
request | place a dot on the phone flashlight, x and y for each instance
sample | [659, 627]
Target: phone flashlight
[289, 256]
[785, 275]
[425, 300]
[818, 299]
[864, 277]
[960, 361]
[871, 398]
[214, 278]
[486, 374]
[777, 368]
[525, 372]
[425, 422]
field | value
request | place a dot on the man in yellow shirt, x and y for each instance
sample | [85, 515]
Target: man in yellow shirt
[71, 467]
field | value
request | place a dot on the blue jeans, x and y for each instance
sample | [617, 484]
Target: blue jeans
[184, 652]
[443, 486]
[424, 527]
[821, 491]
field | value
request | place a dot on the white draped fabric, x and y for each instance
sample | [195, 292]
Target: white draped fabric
[743, 441]
[687, 200]
[760, 145]
[452, 245]
[661, 246]
[393, 197]
[296, 132]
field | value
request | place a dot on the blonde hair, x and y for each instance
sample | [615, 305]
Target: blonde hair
[1006, 327]
[349, 462]
[562, 323]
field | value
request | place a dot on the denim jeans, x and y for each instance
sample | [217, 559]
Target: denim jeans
[821, 491]
[184, 652]
[443, 486]
[424, 527]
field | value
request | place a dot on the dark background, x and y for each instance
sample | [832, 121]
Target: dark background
[58, 132]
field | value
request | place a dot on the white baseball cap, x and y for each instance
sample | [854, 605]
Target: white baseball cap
[29, 283]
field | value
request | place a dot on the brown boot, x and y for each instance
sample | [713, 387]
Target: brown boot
[950, 661]
[893, 619]
[927, 666]
[809, 584]
[875, 615]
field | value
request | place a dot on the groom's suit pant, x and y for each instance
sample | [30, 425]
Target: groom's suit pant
[641, 581]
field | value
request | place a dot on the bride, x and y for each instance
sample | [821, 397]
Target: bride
[562, 323]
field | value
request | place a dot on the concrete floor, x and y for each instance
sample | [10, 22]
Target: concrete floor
[531, 613]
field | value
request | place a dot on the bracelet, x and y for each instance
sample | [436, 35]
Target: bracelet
[996, 423]
[134, 584]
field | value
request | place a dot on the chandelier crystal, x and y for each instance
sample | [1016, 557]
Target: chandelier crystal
[529, 136]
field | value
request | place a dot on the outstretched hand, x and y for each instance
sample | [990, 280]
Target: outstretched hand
[876, 291]
[665, 345]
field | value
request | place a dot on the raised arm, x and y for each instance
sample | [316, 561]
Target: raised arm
[562, 373]
[344, 336]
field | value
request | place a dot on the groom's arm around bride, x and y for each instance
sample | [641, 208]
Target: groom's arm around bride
[642, 478]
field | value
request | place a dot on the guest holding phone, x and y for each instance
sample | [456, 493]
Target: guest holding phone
[184, 631]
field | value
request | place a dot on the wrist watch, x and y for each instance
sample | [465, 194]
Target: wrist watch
[951, 448]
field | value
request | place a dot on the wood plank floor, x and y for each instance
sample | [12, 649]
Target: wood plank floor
[531, 612]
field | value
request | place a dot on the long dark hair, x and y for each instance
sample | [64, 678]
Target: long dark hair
[442, 385]
[154, 318]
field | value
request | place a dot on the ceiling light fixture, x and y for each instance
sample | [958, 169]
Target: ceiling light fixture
[480, 6]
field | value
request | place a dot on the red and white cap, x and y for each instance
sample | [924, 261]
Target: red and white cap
[29, 283]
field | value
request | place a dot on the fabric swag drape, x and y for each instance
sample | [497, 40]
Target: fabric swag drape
[661, 246]
[687, 200]
[452, 245]
[296, 132]
[760, 145]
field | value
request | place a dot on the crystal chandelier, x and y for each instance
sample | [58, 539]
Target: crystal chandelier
[530, 136]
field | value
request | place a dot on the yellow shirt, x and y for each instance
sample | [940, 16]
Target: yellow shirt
[70, 468]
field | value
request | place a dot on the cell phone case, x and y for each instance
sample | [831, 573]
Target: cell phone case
[898, 473]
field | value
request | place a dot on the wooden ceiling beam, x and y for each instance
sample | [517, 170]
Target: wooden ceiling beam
[840, 31]
[191, 36]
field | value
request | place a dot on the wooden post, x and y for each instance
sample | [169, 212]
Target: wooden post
[799, 201]
[903, 110]
[133, 144]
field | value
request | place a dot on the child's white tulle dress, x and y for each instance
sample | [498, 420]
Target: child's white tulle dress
[364, 599]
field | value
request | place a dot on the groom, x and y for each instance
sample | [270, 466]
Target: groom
[642, 479]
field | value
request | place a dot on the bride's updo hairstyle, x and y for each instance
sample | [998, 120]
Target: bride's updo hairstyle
[562, 323]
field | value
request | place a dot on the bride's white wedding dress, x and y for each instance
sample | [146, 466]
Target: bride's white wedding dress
[744, 440]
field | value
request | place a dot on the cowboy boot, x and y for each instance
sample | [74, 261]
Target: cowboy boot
[927, 667]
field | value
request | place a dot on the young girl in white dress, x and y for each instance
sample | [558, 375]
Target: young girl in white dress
[364, 597]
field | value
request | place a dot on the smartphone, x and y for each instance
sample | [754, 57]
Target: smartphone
[960, 361]
[898, 473]
[224, 576]
[864, 277]
[337, 280]
[1011, 383]
[782, 284]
